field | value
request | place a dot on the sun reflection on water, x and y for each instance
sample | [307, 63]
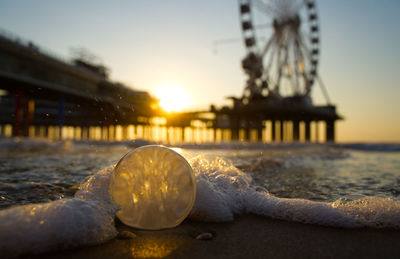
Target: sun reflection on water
[155, 248]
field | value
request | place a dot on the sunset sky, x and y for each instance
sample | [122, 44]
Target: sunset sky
[152, 44]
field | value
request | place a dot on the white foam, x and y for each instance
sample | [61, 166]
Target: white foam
[87, 219]
[223, 191]
[371, 211]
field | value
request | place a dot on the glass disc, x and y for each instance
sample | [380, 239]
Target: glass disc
[154, 186]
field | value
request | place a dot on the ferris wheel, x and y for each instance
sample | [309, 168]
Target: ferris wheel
[282, 42]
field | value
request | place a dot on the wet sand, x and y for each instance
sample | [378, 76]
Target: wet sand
[247, 237]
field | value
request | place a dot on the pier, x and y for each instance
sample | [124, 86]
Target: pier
[42, 95]
[286, 119]
[40, 89]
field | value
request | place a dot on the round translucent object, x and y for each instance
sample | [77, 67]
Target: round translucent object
[154, 186]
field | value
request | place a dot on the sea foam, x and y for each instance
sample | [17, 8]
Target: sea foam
[87, 219]
[223, 191]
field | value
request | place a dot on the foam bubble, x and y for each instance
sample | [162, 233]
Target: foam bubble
[371, 211]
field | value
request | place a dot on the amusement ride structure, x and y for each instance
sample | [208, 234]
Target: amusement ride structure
[286, 62]
[282, 42]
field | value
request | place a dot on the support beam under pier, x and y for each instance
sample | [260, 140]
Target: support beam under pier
[234, 121]
[330, 130]
[273, 130]
[296, 130]
[260, 133]
[307, 131]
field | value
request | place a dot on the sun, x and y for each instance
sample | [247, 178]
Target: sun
[172, 98]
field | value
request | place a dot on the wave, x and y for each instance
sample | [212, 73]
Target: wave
[26, 145]
[39, 144]
[32, 145]
[223, 191]
[376, 147]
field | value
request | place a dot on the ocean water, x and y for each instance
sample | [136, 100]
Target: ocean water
[54, 195]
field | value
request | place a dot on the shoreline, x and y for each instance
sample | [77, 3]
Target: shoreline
[248, 236]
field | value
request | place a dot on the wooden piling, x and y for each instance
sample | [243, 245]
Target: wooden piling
[273, 130]
[330, 130]
[296, 130]
[307, 131]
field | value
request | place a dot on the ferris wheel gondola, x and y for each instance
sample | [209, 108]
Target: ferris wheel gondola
[282, 42]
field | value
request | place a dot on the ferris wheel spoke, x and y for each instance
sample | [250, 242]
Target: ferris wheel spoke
[269, 66]
[289, 69]
[301, 66]
[295, 73]
[271, 57]
[264, 7]
[263, 26]
[301, 77]
[310, 54]
[288, 7]
[280, 69]
[291, 64]
[268, 45]
[299, 5]
[313, 70]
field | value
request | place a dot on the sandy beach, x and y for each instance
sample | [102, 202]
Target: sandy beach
[247, 236]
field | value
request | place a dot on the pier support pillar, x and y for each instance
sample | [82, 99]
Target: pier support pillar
[330, 130]
[83, 132]
[167, 137]
[234, 121]
[273, 130]
[144, 131]
[114, 133]
[77, 132]
[247, 131]
[214, 134]
[124, 129]
[60, 116]
[102, 132]
[135, 131]
[183, 134]
[46, 131]
[282, 123]
[204, 135]
[316, 131]
[193, 134]
[296, 130]
[260, 133]
[18, 113]
[307, 130]
[29, 110]
[109, 132]
[89, 134]
[36, 132]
